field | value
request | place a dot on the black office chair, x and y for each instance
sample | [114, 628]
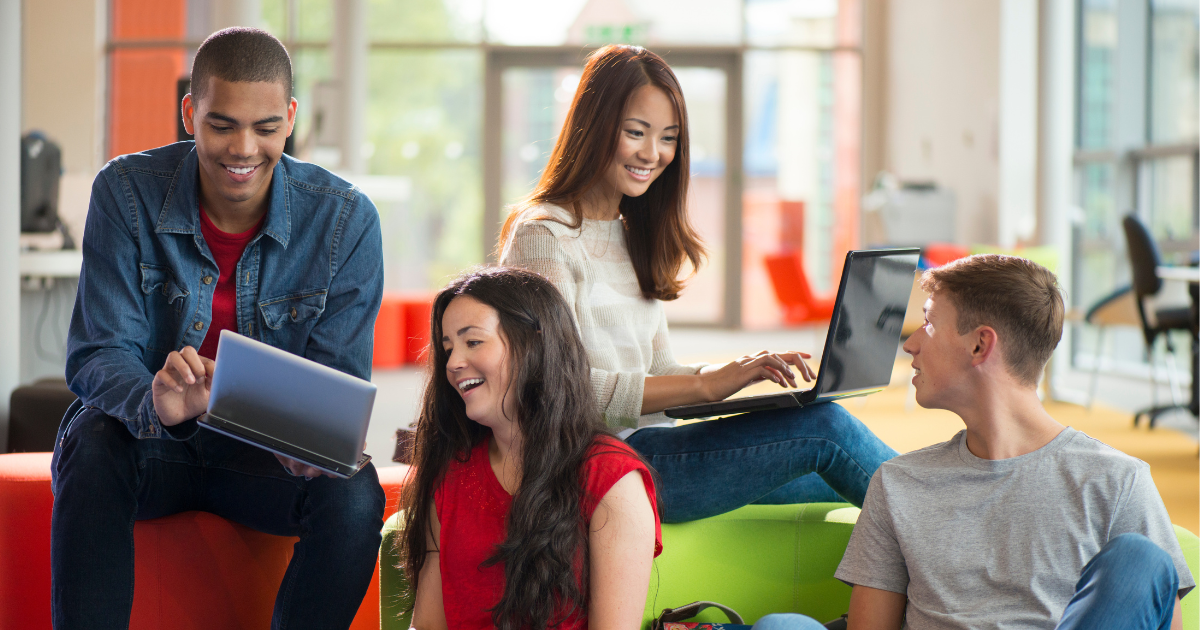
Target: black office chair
[1144, 259]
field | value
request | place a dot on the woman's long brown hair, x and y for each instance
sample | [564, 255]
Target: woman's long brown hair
[545, 551]
[657, 231]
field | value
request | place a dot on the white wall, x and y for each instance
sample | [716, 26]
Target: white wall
[941, 109]
[63, 91]
[10, 202]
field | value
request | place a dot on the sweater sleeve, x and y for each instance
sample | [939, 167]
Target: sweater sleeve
[534, 247]
[664, 362]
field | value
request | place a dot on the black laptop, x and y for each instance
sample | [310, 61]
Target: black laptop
[860, 347]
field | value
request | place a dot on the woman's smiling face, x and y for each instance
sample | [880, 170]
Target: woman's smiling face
[477, 361]
[649, 135]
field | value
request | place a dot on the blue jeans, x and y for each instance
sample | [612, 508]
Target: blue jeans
[807, 455]
[104, 479]
[1131, 584]
[787, 621]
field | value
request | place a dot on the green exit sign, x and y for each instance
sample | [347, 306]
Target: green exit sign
[616, 33]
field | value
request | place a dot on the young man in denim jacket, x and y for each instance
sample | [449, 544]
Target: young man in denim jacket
[181, 242]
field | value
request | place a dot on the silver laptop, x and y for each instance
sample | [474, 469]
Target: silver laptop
[860, 347]
[289, 405]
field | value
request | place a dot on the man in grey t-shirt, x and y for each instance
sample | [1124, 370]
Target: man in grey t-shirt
[1017, 521]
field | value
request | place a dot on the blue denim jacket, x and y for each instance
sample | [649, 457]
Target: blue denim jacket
[309, 283]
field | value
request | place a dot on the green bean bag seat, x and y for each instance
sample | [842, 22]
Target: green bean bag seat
[758, 559]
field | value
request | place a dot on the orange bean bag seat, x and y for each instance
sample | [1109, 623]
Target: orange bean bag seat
[225, 576]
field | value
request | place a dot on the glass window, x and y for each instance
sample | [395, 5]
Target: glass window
[1170, 197]
[275, 18]
[425, 20]
[791, 22]
[311, 67]
[313, 20]
[1097, 48]
[704, 92]
[802, 169]
[530, 22]
[1100, 266]
[1096, 198]
[707, 22]
[424, 129]
[1174, 71]
[535, 106]
[591, 22]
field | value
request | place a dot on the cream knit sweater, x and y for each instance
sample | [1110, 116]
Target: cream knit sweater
[625, 335]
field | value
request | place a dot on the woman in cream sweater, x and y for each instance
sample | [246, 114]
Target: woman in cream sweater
[607, 225]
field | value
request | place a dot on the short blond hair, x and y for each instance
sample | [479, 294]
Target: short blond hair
[1018, 298]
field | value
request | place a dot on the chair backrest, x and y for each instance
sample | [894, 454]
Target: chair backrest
[1143, 257]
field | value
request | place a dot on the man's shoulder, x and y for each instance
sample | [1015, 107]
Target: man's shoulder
[314, 192]
[311, 177]
[1086, 452]
[162, 161]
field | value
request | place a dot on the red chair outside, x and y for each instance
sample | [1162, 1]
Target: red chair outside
[795, 295]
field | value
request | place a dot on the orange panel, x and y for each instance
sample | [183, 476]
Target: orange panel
[149, 19]
[143, 110]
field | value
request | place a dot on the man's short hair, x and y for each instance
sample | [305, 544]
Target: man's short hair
[1018, 298]
[241, 54]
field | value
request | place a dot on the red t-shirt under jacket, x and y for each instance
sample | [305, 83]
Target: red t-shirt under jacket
[471, 509]
[227, 250]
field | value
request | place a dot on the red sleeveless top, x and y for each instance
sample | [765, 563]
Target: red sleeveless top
[471, 509]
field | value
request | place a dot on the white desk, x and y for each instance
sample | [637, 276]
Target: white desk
[1185, 274]
[63, 263]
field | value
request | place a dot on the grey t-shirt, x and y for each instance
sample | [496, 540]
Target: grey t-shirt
[977, 543]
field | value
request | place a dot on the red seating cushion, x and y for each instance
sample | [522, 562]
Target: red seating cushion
[390, 343]
[192, 570]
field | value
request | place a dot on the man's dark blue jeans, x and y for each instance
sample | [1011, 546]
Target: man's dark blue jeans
[104, 479]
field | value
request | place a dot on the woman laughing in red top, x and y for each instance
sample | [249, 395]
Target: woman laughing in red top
[525, 512]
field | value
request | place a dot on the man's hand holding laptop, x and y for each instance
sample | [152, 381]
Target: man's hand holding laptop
[182, 386]
[181, 389]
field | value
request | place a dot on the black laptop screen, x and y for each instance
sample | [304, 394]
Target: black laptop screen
[861, 349]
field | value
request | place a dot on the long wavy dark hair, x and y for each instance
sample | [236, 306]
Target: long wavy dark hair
[657, 231]
[545, 554]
